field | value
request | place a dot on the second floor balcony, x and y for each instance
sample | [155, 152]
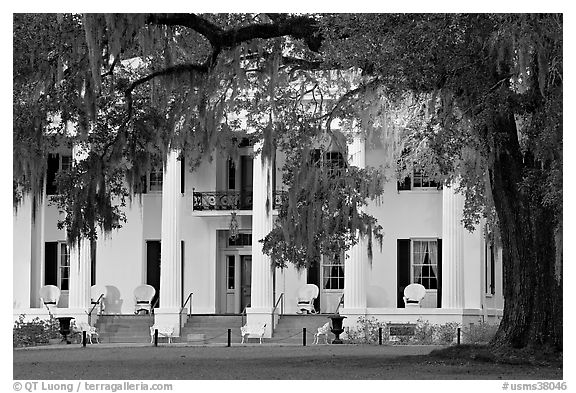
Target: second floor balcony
[230, 200]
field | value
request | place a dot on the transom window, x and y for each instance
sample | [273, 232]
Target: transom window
[333, 272]
[424, 267]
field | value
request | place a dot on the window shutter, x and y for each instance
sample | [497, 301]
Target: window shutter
[93, 262]
[439, 278]
[52, 169]
[403, 269]
[51, 263]
[182, 175]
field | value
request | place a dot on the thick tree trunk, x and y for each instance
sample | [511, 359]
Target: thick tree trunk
[532, 285]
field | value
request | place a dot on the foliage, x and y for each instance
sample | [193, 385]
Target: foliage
[366, 332]
[480, 333]
[34, 332]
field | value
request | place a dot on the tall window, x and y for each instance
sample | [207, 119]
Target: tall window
[155, 180]
[56, 163]
[424, 267]
[489, 268]
[63, 267]
[333, 272]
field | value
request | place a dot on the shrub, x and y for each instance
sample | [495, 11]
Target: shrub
[367, 331]
[480, 333]
[35, 332]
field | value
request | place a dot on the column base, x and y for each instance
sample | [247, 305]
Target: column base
[169, 317]
[257, 316]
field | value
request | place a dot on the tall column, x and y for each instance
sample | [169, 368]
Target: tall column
[80, 264]
[452, 248]
[79, 282]
[170, 265]
[261, 302]
[356, 264]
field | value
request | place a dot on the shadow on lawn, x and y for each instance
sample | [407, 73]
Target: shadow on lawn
[484, 353]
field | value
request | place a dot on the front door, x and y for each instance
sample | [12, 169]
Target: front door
[245, 280]
[153, 248]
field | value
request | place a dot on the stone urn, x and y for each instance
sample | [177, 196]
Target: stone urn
[337, 327]
[65, 328]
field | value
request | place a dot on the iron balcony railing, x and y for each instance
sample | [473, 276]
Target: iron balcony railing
[230, 200]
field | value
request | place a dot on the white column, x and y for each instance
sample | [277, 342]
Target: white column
[452, 248]
[170, 265]
[261, 302]
[356, 264]
[80, 265]
[80, 269]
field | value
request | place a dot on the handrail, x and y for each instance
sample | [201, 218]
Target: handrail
[280, 298]
[93, 307]
[47, 308]
[339, 304]
[243, 313]
[154, 305]
[186, 302]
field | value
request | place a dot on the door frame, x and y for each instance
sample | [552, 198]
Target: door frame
[236, 292]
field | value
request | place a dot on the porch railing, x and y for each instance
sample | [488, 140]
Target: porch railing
[229, 200]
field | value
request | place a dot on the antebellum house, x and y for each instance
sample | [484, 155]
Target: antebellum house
[177, 239]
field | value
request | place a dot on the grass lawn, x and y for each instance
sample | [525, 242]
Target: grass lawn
[265, 362]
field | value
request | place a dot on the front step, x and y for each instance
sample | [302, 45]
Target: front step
[290, 328]
[124, 328]
[211, 329]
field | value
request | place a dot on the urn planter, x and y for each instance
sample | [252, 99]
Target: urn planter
[337, 327]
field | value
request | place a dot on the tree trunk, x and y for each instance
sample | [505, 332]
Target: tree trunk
[532, 285]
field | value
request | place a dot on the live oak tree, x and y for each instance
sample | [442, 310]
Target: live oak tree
[479, 99]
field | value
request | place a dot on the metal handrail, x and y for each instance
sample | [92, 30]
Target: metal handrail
[186, 302]
[93, 307]
[339, 304]
[280, 298]
[154, 305]
[243, 314]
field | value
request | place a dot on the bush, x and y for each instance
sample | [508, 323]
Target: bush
[480, 333]
[35, 332]
[367, 332]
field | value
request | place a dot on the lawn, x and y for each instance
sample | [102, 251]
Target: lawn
[263, 362]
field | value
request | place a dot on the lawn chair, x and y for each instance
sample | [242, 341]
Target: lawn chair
[143, 295]
[306, 296]
[413, 295]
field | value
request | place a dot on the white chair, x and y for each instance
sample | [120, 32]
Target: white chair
[322, 330]
[143, 296]
[91, 331]
[49, 295]
[95, 300]
[413, 295]
[163, 331]
[253, 331]
[306, 296]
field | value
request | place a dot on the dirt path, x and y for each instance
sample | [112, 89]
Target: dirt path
[259, 362]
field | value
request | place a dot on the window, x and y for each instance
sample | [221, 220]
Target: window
[424, 266]
[155, 180]
[56, 163]
[230, 271]
[489, 268]
[242, 240]
[63, 267]
[333, 272]
[419, 180]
